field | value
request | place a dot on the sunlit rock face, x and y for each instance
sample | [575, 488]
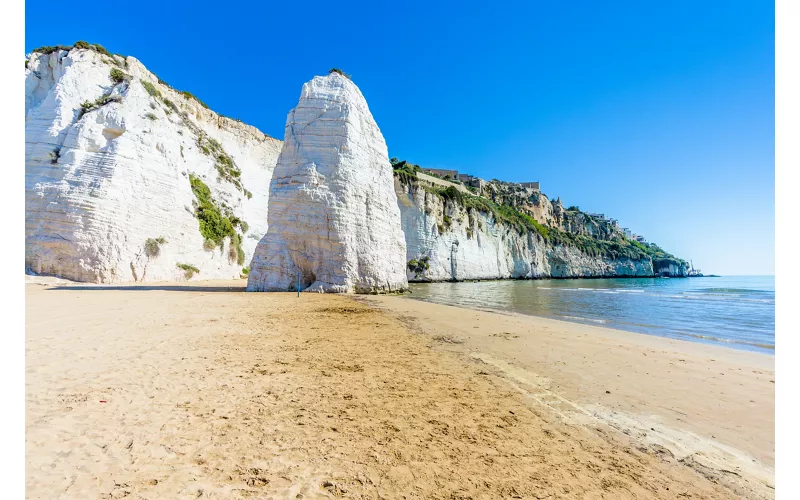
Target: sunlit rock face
[446, 242]
[101, 182]
[334, 223]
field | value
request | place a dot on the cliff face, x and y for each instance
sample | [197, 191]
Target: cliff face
[128, 179]
[333, 215]
[670, 269]
[446, 241]
[550, 212]
[109, 157]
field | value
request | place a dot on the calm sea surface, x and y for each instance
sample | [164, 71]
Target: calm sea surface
[734, 311]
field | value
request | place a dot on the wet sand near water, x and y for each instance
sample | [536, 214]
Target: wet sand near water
[710, 406]
[193, 390]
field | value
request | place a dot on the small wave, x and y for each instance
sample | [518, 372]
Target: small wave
[726, 341]
[735, 290]
[579, 318]
[723, 297]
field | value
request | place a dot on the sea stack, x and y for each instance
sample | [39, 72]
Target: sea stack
[333, 217]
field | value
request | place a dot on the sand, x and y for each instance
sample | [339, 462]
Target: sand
[202, 390]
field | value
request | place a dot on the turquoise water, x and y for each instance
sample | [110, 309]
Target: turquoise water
[734, 311]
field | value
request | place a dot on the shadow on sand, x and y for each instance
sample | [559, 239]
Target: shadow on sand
[164, 288]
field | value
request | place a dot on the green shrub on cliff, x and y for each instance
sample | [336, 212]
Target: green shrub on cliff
[49, 49]
[217, 222]
[184, 93]
[662, 258]
[224, 164]
[170, 105]
[152, 246]
[214, 226]
[419, 266]
[100, 49]
[340, 72]
[188, 270]
[87, 106]
[80, 44]
[189, 95]
[619, 248]
[507, 214]
[404, 171]
[150, 88]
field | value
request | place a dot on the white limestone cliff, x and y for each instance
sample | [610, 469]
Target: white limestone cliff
[99, 184]
[109, 197]
[445, 242]
[333, 214]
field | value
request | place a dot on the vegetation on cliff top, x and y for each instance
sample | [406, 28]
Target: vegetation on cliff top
[80, 44]
[153, 91]
[523, 223]
[337, 70]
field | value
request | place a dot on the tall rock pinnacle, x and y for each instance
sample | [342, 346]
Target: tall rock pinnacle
[333, 215]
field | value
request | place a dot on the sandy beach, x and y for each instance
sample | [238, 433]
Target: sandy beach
[194, 390]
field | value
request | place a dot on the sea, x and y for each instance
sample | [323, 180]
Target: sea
[731, 311]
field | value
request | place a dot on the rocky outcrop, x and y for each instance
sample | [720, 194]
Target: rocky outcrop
[446, 241]
[670, 269]
[127, 179]
[550, 212]
[333, 214]
[109, 157]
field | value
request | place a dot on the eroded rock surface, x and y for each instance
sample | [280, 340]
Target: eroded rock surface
[448, 242]
[333, 214]
[101, 180]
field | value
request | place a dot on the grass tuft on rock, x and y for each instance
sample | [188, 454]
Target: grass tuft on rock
[188, 270]
[339, 72]
[224, 164]
[80, 44]
[87, 106]
[150, 88]
[152, 246]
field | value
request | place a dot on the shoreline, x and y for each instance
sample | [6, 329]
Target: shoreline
[199, 388]
[684, 409]
[30, 274]
[544, 278]
[714, 341]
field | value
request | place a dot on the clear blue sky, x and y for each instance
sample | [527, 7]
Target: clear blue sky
[660, 114]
